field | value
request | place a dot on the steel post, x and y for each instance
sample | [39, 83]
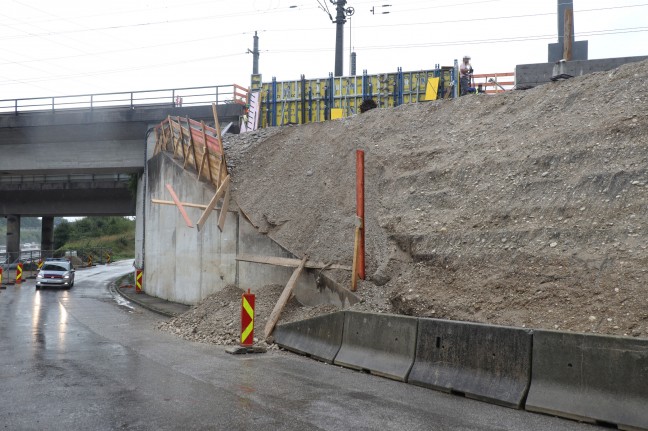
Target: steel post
[340, 19]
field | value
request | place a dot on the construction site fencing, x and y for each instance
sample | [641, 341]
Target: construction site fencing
[314, 100]
[173, 97]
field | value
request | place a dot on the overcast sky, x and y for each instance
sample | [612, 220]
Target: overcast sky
[64, 47]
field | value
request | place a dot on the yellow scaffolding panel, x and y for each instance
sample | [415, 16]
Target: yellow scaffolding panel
[315, 100]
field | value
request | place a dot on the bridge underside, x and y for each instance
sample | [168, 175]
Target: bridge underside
[68, 199]
[79, 162]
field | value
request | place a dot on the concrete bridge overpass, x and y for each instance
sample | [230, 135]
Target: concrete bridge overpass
[81, 155]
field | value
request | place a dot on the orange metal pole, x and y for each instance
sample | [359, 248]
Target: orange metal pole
[360, 211]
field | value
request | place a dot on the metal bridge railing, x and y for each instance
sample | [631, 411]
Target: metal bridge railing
[69, 178]
[188, 96]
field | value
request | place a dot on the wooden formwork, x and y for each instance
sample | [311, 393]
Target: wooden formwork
[200, 148]
[194, 143]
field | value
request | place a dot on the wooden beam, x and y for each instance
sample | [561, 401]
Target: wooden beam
[217, 124]
[211, 179]
[184, 204]
[179, 205]
[224, 207]
[222, 164]
[202, 164]
[191, 143]
[289, 262]
[283, 299]
[568, 34]
[212, 204]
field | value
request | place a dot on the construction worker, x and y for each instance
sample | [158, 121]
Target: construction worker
[465, 73]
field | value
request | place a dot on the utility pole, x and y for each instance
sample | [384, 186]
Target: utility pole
[255, 55]
[340, 19]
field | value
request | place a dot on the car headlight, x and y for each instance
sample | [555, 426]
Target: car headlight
[39, 275]
[66, 276]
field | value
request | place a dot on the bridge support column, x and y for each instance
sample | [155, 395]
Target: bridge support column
[47, 237]
[13, 237]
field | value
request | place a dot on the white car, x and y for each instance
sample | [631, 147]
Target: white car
[55, 273]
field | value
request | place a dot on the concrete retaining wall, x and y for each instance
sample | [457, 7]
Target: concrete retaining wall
[590, 378]
[531, 75]
[184, 265]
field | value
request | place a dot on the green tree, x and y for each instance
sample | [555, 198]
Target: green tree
[62, 233]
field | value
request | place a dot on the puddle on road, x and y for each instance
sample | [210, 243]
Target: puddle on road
[123, 302]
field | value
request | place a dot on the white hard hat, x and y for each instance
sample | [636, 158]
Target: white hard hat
[466, 56]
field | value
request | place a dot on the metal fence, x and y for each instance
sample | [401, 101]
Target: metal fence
[188, 96]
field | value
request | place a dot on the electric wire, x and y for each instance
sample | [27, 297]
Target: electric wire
[271, 9]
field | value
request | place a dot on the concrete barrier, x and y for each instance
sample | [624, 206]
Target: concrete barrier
[319, 337]
[485, 362]
[591, 378]
[382, 344]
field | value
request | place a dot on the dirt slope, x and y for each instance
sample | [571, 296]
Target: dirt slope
[528, 208]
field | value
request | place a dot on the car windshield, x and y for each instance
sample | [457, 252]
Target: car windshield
[55, 267]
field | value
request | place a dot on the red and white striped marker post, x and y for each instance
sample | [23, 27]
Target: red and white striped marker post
[19, 273]
[247, 319]
[138, 280]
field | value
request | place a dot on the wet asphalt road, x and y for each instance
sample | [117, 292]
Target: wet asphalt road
[83, 359]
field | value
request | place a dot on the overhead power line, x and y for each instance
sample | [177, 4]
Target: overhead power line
[478, 41]
[285, 29]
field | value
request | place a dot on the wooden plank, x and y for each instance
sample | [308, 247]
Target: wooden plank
[283, 299]
[184, 204]
[179, 205]
[216, 123]
[289, 262]
[222, 169]
[212, 203]
[193, 148]
[211, 177]
[202, 164]
[165, 141]
[224, 207]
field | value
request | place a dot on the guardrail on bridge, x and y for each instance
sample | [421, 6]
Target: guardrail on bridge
[188, 96]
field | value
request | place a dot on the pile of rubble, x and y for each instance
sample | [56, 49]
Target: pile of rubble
[528, 208]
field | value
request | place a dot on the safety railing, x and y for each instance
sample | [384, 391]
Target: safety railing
[493, 83]
[188, 96]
